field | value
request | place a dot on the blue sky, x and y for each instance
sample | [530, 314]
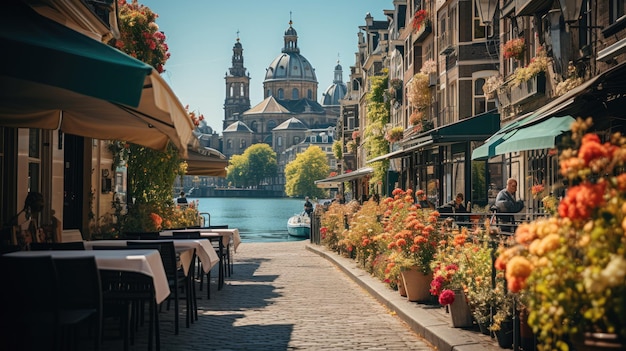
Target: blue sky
[201, 35]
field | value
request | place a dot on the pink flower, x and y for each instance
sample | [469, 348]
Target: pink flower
[446, 297]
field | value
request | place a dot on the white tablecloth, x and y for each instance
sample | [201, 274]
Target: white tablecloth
[147, 262]
[203, 248]
[227, 234]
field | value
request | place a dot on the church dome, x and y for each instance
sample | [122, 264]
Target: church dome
[290, 64]
[337, 90]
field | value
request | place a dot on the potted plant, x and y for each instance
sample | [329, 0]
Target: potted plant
[394, 134]
[415, 235]
[514, 48]
[449, 283]
[574, 263]
[420, 18]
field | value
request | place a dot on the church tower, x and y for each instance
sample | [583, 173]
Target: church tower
[237, 88]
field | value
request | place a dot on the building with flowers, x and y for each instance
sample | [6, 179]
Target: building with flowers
[488, 90]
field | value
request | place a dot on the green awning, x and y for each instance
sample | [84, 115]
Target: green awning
[478, 127]
[52, 77]
[40, 50]
[537, 136]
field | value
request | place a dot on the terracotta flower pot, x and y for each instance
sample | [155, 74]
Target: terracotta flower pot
[417, 285]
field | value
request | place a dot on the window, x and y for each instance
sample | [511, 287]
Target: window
[269, 93]
[294, 94]
[254, 125]
[309, 94]
[281, 94]
[616, 10]
[229, 144]
[296, 140]
[242, 144]
[481, 104]
[478, 28]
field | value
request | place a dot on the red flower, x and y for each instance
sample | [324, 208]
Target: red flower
[581, 200]
[446, 297]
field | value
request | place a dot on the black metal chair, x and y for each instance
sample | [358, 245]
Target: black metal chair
[124, 291]
[81, 290]
[35, 314]
[175, 277]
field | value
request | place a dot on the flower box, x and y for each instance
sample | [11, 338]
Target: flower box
[535, 86]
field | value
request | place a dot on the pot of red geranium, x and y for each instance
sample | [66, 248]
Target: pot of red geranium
[460, 312]
[415, 235]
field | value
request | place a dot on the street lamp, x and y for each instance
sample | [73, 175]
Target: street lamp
[571, 10]
[486, 10]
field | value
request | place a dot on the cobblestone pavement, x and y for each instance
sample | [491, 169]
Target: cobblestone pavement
[281, 296]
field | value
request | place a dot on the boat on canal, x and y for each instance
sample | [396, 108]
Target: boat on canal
[299, 225]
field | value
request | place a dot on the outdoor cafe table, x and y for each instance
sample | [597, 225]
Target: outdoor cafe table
[225, 236]
[203, 248]
[142, 261]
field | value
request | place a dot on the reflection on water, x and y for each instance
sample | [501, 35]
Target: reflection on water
[258, 220]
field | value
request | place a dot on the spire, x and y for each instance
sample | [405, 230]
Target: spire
[291, 39]
[338, 73]
[237, 69]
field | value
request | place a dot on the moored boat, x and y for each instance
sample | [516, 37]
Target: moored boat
[299, 225]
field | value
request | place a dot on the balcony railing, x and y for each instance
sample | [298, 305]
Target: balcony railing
[445, 43]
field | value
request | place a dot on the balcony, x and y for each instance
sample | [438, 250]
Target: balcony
[445, 43]
[425, 29]
[535, 86]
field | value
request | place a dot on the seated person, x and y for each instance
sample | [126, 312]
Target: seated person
[423, 201]
[182, 200]
[455, 206]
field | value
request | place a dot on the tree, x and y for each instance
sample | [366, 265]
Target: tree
[302, 173]
[238, 171]
[262, 163]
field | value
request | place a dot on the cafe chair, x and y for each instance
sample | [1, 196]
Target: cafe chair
[74, 245]
[35, 314]
[175, 278]
[195, 235]
[122, 291]
[81, 290]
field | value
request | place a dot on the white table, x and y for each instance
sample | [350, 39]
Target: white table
[228, 235]
[204, 250]
[142, 261]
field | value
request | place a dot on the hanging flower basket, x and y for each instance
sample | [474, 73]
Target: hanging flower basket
[419, 19]
[514, 48]
[394, 134]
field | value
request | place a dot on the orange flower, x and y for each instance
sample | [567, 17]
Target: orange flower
[581, 200]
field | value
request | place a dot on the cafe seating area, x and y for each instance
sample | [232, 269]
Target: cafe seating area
[116, 287]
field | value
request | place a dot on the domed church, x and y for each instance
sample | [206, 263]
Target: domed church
[290, 95]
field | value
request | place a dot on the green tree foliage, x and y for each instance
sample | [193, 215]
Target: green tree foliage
[378, 114]
[238, 171]
[262, 163]
[257, 163]
[302, 173]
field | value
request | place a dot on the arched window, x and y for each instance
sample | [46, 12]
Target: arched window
[294, 94]
[481, 103]
[242, 144]
[281, 94]
[229, 144]
[269, 93]
[309, 94]
[279, 141]
[254, 126]
[296, 140]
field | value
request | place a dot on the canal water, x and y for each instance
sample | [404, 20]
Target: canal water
[258, 220]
